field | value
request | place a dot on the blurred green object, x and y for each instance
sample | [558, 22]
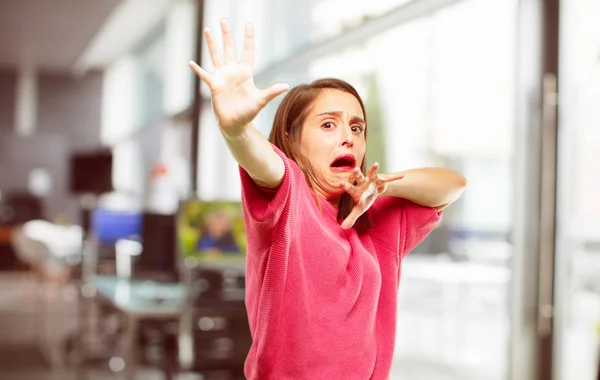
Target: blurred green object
[193, 222]
[375, 134]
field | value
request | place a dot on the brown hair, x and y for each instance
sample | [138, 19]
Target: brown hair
[287, 131]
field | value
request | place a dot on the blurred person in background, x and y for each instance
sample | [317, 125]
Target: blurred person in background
[217, 235]
[325, 236]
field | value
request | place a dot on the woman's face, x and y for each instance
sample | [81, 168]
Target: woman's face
[333, 141]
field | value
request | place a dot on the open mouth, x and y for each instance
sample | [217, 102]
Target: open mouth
[343, 163]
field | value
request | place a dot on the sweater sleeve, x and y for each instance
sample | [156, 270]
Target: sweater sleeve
[419, 221]
[400, 225]
[268, 210]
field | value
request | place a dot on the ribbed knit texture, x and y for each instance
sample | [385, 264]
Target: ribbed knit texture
[322, 301]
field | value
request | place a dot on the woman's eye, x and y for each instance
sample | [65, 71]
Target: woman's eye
[357, 129]
[328, 125]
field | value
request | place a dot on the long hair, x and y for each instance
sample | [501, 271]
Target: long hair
[287, 131]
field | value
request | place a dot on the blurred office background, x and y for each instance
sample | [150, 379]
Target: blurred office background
[102, 122]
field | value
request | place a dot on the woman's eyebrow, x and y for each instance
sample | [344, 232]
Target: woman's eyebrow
[358, 119]
[339, 113]
[330, 113]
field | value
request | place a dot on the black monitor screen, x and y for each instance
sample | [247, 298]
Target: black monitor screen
[159, 252]
[91, 173]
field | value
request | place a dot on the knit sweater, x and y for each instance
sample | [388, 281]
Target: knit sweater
[322, 300]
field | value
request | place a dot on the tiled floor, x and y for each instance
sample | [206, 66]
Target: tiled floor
[444, 333]
[19, 332]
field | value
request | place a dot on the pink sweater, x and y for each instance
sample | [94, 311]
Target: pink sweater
[322, 301]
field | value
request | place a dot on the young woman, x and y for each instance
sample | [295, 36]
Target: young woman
[325, 237]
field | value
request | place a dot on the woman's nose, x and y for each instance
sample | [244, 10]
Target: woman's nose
[347, 136]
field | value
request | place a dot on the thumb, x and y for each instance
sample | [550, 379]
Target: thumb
[271, 93]
[351, 219]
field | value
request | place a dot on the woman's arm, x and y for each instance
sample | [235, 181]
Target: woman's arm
[236, 102]
[431, 187]
[254, 153]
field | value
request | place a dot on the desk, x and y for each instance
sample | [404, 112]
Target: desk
[139, 300]
[142, 298]
[237, 263]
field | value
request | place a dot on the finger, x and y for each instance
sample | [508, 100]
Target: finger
[373, 171]
[390, 177]
[215, 57]
[203, 74]
[272, 92]
[359, 176]
[351, 218]
[227, 41]
[352, 190]
[248, 52]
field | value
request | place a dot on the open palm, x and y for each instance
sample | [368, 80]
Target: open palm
[236, 101]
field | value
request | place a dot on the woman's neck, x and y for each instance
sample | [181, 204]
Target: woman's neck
[322, 195]
[332, 200]
[335, 201]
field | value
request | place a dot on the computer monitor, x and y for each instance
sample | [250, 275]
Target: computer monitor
[91, 173]
[111, 225]
[212, 232]
[159, 256]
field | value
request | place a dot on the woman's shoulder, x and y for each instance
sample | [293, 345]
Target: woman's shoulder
[267, 205]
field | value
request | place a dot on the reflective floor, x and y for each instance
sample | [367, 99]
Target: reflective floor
[452, 325]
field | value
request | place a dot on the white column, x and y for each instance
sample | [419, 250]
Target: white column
[180, 38]
[27, 102]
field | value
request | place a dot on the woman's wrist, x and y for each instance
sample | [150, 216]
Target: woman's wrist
[432, 187]
[236, 133]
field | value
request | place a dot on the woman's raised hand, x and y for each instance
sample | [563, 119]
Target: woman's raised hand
[236, 101]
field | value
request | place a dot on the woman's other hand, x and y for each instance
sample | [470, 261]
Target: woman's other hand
[366, 190]
[235, 99]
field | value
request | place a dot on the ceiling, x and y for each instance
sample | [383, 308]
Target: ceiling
[49, 34]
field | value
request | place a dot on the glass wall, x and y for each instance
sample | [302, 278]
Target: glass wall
[577, 284]
[145, 92]
[330, 18]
